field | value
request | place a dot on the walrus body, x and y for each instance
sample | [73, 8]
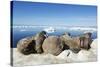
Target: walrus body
[68, 41]
[52, 45]
[26, 45]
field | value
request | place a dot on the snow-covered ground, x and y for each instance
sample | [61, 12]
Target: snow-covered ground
[67, 56]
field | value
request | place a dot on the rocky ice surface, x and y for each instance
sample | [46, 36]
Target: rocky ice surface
[67, 56]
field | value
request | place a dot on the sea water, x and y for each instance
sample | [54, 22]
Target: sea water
[19, 33]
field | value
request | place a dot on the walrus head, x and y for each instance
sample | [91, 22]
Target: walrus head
[43, 33]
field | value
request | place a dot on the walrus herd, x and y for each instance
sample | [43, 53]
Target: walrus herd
[42, 43]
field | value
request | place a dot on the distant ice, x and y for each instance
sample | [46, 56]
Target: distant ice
[51, 29]
[22, 30]
[84, 29]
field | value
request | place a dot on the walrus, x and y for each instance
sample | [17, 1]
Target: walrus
[52, 45]
[39, 39]
[84, 40]
[77, 43]
[70, 43]
[32, 44]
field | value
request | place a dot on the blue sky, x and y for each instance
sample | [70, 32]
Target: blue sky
[33, 13]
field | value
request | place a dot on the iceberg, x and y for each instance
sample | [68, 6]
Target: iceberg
[49, 30]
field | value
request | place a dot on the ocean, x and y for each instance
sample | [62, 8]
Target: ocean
[20, 32]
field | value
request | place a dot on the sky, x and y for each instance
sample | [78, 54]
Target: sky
[35, 13]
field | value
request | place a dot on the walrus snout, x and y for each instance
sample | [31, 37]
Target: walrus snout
[85, 40]
[46, 35]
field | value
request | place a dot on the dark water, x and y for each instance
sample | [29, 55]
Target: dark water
[18, 34]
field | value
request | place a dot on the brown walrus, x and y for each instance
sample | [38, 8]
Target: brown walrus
[32, 44]
[77, 43]
[39, 39]
[68, 41]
